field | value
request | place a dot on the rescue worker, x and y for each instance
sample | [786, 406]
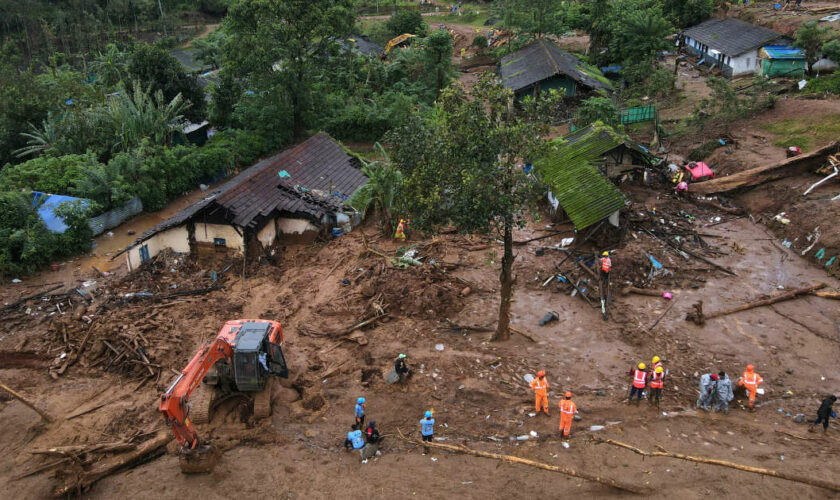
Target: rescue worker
[372, 433]
[540, 387]
[723, 394]
[568, 409]
[824, 413]
[708, 385]
[354, 439]
[750, 381]
[657, 382]
[606, 267]
[399, 234]
[655, 363]
[427, 430]
[401, 368]
[639, 382]
[360, 413]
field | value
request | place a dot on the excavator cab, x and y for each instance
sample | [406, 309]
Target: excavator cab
[255, 357]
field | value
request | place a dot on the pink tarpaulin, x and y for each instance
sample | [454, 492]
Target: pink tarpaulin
[699, 171]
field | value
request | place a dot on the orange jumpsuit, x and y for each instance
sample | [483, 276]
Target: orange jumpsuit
[540, 387]
[400, 232]
[750, 382]
[567, 413]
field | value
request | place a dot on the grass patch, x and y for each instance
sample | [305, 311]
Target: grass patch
[805, 131]
[829, 84]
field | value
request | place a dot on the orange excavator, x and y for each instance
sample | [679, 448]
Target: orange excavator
[241, 361]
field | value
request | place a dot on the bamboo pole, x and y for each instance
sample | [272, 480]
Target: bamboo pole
[46, 416]
[531, 463]
[766, 302]
[827, 295]
[723, 463]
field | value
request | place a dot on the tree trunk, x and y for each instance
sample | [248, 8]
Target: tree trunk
[506, 280]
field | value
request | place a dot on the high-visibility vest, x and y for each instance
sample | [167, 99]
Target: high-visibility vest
[539, 385]
[639, 377]
[751, 379]
[567, 407]
[656, 380]
[606, 264]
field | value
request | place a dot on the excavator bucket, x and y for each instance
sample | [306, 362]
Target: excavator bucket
[200, 460]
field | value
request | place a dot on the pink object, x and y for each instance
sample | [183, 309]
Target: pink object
[699, 171]
[667, 295]
[682, 187]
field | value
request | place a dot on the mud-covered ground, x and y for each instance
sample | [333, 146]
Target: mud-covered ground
[476, 387]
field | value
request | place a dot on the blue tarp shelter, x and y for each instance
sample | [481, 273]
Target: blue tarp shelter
[47, 210]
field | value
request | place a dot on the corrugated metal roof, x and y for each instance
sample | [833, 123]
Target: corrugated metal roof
[569, 170]
[783, 52]
[601, 139]
[731, 36]
[542, 59]
[309, 180]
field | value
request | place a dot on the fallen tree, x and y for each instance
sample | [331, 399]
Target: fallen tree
[113, 464]
[700, 318]
[531, 463]
[723, 463]
[46, 416]
[759, 175]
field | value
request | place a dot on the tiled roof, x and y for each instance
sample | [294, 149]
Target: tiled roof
[731, 36]
[569, 170]
[598, 140]
[542, 59]
[309, 180]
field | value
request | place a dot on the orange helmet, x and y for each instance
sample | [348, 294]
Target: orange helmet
[750, 368]
[541, 373]
[568, 395]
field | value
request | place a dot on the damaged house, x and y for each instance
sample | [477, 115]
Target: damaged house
[543, 66]
[578, 188]
[291, 197]
[730, 44]
[614, 154]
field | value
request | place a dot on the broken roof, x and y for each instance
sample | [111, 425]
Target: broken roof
[731, 36]
[361, 44]
[542, 59]
[307, 180]
[585, 194]
[599, 139]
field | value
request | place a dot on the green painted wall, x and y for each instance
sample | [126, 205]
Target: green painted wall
[789, 68]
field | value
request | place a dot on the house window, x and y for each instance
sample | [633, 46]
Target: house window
[219, 242]
[144, 253]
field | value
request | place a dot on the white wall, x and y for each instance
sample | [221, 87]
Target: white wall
[205, 233]
[267, 234]
[176, 238]
[744, 64]
[295, 226]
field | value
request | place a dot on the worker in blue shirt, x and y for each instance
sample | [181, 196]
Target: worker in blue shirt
[360, 413]
[427, 430]
[354, 439]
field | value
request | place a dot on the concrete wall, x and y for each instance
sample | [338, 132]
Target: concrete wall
[295, 226]
[732, 66]
[206, 233]
[744, 63]
[267, 234]
[176, 238]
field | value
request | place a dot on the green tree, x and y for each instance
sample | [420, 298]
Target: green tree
[689, 12]
[275, 45]
[831, 50]
[25, 241]
[597, 109]
[158, 70]
[141, 114]
[55, 175]
[111, 66]
[463, 166]
[406, 21]
[535, 17]
[208, 50]
[810, 37]
[381, 190]
[78, 235]
[437, 58]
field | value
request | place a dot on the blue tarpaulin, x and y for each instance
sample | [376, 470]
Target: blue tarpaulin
[47, 210]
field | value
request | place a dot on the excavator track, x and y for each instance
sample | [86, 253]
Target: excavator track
[200, 402]
[262, 400]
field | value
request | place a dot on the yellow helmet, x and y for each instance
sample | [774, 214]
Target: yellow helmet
[655, 359]
[642, 366]
[659, 369]
[605, 254]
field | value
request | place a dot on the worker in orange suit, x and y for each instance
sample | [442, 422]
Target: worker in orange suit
[399, 234]
[568, 409]
[750, 381]
[540, 387]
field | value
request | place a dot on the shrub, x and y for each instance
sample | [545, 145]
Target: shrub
[597, 109]
[47, 174]
[480, 41]
[406, 21]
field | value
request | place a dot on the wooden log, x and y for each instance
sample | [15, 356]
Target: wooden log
[766, 302]
[723, 463]
[30, 297]
[827, 295]
[627, 290]
[767, 173]
[46, 416]
[531, 463]
[662, 315]
[67, 451]
[46, 466]
[111, 465]
[520, 332]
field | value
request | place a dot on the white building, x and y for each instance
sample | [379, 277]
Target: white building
[730, 44]
[291, 197]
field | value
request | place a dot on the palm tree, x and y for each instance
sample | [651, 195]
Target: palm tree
[139, 114]
[381, 191]
[111, 66]
[47, 139]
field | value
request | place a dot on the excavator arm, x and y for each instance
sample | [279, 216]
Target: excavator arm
[174, 402]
